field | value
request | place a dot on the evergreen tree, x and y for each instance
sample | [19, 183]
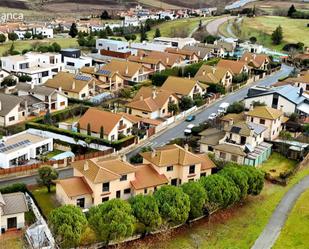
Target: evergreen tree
[105, 15]
[73, 30]
[157, 33]
[143, 34]
[277, 35]
[291, 11]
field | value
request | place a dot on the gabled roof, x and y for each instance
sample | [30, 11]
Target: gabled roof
[182, 86]
[97, 118]
[209, 74]
[201, 52]
[75, 186]
[143, 59]
[206, 162]
[236, 117]
[168, 59]
[245, 128]
[14, 203]
[146, 176]
[100, 169]
[88, 70]
[125, 68]
[171, 155]
[149, 99]
[42, 90]
[183, 52]
[69, 82]
[265, 112]
[229, 148]
[8, 102]
[235, 66]
[257, 60]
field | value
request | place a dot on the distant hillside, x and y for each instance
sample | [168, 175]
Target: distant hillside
[56, 5]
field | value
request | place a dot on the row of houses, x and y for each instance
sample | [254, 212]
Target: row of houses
[101, 179]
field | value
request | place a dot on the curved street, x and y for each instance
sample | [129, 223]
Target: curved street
[213, 26]
[272, 230]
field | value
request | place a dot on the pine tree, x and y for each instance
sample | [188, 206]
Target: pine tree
[143, 34]
[157, 33]
[277, 35]
[73, 30]
[291, 11]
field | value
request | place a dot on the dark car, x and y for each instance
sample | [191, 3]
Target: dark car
[190, 118]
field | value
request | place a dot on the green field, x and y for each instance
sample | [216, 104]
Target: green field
[235, 228]
[295, 232]
[277, 164]
[294, 30]
[27, 44]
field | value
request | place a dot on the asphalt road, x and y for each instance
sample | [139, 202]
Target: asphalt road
[178, 130]
[272, 230]
[213, 26]
[175, 131]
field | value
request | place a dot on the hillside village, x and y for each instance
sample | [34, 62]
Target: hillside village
[146, 133]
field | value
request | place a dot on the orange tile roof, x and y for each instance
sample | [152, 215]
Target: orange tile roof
[180, 51]
[100, 169]
[209, 74]
[235, 66]
[97, 118]
[257, 60]
[171, 155]
[146, 176]
[206, 162]
[167, 58]
[142, 59]
[75, 186]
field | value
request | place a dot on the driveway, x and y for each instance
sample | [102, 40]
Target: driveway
[272, 230]
[213, 26]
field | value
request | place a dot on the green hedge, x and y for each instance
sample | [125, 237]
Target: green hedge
[16, 187]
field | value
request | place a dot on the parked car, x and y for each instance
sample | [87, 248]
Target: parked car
[190, 118]
[223, 108]
[213, 116]
[188, 130]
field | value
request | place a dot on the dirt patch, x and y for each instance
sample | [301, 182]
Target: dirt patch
[14, 4]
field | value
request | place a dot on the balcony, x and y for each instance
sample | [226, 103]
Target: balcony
[122, 127]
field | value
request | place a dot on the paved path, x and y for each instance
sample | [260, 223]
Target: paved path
[213, 26]
[272, 230]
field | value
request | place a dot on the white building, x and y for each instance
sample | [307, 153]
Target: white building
[148, 46]
[12, 211]
[20, 148]
[130, 21]
[74, 64]
[176, 42]
[39, 66]
[112, 45]
[46, 32]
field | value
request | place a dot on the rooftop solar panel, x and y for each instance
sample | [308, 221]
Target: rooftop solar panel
[82, 77]
[235, 129]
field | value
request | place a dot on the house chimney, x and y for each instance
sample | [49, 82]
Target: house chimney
[186, 147]
[73, 85]
[213, 70]
[154, 93]
[124, 158]
[127, 70]
[254, 56]
[167, 60]
[60, 89]
[231, 121]
[204, 72]
[0, 105]
[32, 85]
[86, 165]
[199, 53]
[153, 153]
[251, 107]
[301, 91]
[141, 97]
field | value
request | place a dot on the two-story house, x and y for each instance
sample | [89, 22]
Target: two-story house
[184, 86]
[237, 67]
[41, 98]
[169, 60]
[269, 117]
[130, 71]
[151, 103]
[74, 86]
[189, 56]
[178, 164]
[101, 179]
[242, 142]
[96, 121]
[256, 61]
[39, 66]
[154, 64]
[214, 75]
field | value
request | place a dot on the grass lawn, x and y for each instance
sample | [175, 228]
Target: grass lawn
[158, 4]
[277, 164]
[295, 232]
[26, 44]
[261, 27]
[237, 227]
[47, 201]
[11, 241]
[53, 153]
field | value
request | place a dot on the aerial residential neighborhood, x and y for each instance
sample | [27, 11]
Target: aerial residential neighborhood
[154, 124]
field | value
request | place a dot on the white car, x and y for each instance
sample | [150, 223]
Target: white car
[223, 108]
[188, 131]
[212, 116]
